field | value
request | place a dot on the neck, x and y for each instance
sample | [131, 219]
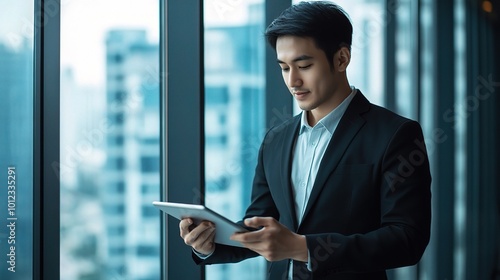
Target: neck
[315, 115]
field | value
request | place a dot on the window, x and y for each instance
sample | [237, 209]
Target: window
[147, 250]
[234, 114]
[148, 211]
[16, 139]
[150, 164]
[114, 209]
[109, 64]
[406, 68]
[116, 140]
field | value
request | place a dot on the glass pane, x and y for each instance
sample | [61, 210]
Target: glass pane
[459, 254]
[110, 140]
[16, 139]
[234, 115]
[406, 65]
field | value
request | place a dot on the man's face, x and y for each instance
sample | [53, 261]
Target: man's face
[308, 75]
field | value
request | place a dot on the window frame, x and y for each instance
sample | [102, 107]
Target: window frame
[46, 146]
[182, 58]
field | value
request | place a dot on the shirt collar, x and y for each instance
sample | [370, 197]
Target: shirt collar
[331, 120]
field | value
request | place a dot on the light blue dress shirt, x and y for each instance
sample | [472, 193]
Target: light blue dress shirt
[310, 147]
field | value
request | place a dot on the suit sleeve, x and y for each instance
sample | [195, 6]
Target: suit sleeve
[405, 201]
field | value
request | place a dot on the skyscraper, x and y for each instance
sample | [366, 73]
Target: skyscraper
[234, 122]
[16, 151]
[132, 155]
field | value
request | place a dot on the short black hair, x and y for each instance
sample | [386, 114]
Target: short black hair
[325, 22]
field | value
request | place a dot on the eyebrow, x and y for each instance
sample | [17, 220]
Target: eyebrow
[300, 58]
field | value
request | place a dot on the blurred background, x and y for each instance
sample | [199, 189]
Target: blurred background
[433, 61]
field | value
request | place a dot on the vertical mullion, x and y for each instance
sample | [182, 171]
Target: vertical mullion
[37, 116]
[184, 123]
[473, 201]
[390, 59]
[46, 141]
[444, 95]
[279, 104]
[163, 135]
[416, 47]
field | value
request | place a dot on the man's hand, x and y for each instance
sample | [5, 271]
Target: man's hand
[273, 241]
[200, 237]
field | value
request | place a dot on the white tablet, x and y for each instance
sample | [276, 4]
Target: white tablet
[224, 228]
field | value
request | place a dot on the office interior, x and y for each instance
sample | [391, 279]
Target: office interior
[106, 106]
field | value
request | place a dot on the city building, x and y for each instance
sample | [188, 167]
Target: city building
[132, 156]
[234, 123]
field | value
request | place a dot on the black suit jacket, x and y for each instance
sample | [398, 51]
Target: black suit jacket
[370, 206]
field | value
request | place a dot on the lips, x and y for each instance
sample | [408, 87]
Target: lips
[300, 94]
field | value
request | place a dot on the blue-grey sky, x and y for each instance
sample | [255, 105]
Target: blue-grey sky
[84, 24]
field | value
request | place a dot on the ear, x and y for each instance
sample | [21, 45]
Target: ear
[342, 59]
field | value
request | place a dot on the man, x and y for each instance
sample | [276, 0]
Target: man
[342, 190]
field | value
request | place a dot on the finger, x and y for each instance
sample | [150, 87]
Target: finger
[208, 243]
[206, 235]
[257, 222]
[253, 244]
[248, 237]
[184, 226]
[193, 235]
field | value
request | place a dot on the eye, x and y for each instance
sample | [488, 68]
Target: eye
[305, 67]
[285, 69]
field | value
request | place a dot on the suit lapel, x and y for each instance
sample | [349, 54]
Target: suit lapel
[290, 136]
[346, 130]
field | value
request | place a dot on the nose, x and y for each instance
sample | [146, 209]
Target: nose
[294, 79]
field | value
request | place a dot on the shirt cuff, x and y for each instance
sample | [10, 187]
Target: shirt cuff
[309, 267]
[203, 256]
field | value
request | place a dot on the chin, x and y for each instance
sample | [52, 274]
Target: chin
[305, 107]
